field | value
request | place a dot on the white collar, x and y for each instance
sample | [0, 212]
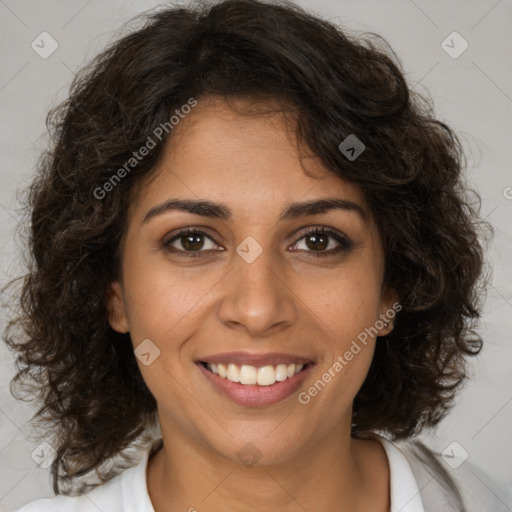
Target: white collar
[405, 495]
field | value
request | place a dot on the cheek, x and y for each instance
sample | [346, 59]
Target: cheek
[158, 298]
[347, 303]
[347, 307]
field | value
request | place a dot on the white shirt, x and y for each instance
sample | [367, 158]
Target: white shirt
[128, 491]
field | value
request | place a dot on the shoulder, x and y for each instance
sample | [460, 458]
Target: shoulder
[449, 485]
[107, 496]
[126, 492]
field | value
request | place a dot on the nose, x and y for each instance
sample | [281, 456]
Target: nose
[257, 299]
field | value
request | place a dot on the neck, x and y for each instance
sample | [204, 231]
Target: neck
[338, 474]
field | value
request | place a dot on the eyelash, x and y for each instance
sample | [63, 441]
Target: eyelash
[344, 243]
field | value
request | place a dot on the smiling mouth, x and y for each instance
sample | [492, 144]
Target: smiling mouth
[252, 375]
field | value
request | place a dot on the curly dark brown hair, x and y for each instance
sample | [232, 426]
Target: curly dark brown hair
[83, 373]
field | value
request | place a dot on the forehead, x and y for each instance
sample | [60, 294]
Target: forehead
[244, 154]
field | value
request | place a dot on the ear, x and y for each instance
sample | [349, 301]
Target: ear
[116, 308]
[390, 306]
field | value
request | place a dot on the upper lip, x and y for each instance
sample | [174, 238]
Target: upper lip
[252, 359]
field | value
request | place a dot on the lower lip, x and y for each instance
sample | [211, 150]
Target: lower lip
[254, 395]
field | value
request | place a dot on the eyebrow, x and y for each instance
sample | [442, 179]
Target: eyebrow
[221, 211]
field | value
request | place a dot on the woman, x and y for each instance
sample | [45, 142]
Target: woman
[252, 259]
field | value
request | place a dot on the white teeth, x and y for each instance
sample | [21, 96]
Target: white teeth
[266, 376]
[248, 374]
[281, 373]
[223, 371]
[233, 373]
[251, 375]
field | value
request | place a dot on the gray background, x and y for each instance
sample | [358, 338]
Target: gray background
[472, 93]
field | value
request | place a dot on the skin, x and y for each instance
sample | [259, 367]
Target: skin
[286, 300]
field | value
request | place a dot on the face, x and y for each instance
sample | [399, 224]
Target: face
[252, 282]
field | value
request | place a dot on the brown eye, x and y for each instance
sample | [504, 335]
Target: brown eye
[319, 239]
[191, 241]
